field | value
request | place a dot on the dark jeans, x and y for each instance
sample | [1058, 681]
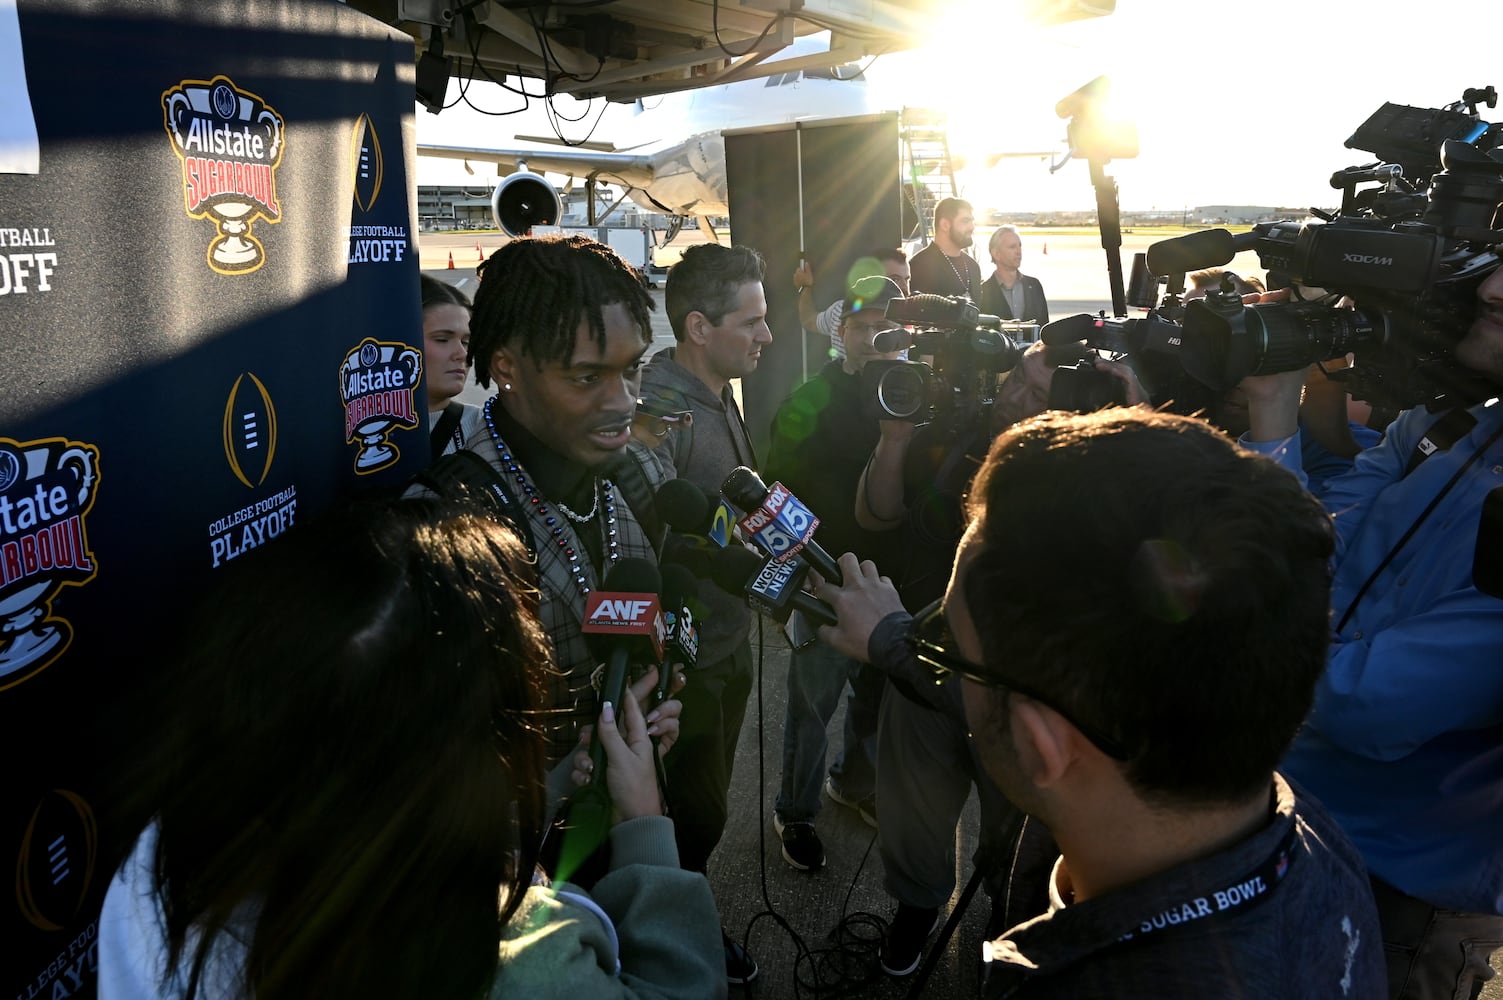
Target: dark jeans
[698, 767]
[816, 676]
[926, 765]
[1434, 954]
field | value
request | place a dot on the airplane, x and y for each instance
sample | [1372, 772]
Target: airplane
[672, 158]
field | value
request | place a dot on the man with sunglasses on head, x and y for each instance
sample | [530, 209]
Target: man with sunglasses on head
[1132, 665]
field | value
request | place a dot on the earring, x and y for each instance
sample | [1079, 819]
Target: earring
[506, 387]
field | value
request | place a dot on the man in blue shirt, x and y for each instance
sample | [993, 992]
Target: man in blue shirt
[1405, 742]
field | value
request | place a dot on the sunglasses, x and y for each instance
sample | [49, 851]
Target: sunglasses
[932, 640]
[658, 422]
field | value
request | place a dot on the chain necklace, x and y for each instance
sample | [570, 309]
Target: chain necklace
[965, 286]
[581, 518]
[555, 526]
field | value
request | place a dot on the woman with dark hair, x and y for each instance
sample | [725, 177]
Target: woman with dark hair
[446, 346]
[348, 791]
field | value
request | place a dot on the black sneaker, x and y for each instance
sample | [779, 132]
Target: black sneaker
[801, 845]
[867, 806]
[906, 936]
[740, 967]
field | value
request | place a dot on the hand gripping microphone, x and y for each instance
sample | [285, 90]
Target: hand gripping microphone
[681, 643]
[623, 624]
[777, 522]
[772, 586]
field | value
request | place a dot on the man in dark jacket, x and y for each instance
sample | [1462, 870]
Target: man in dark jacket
[1132, 671]
[1009, 293]
[821, 439]
[718, 311]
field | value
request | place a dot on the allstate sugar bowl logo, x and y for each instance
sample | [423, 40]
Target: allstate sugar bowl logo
[378, 382]
[46, 489]
[230, 143]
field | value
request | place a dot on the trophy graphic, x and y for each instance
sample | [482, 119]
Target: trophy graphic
[377, 382]
[230, 144]
[47, 487]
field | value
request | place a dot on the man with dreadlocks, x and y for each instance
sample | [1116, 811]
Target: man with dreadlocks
[561, 325]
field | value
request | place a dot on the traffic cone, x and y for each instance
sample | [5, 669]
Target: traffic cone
[480, 251]
[451, 260]
[1046, 249]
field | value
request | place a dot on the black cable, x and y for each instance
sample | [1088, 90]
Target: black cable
[850, 965]
[715, 24]
[768, 911]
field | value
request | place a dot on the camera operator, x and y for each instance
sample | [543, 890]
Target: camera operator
[820, 440]
[1403, 743]
[925, 762]
[1132, 672]
[889, 261]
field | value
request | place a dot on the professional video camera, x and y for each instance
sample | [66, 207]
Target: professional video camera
[1409, 253]
[1152, 343]
[969, 352]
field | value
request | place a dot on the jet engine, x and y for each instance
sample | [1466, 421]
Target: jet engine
[524, 200]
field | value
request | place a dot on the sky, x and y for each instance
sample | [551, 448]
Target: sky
[1245, 104]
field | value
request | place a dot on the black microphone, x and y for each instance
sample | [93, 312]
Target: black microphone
[1192, 252]
[1069, 330]
[684, 506]
[777, 521]
[944, 311]
[772, 586]
[893, 340]
[681, 643]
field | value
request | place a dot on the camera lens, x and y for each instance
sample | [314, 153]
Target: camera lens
[1293, 336]
[902, 391]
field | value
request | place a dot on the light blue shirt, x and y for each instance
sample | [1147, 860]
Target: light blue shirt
[1405, 742]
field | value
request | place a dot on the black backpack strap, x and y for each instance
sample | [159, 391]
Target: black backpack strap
[636, 488]
[464, 475]
[447, 424]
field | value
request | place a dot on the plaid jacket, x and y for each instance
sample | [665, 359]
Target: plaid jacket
[574, 676]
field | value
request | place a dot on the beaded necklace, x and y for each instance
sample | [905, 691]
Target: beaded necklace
[555, 526]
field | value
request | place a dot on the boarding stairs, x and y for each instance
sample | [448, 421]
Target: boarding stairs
[928, 170]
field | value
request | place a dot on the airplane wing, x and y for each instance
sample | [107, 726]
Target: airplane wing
[597, 145]
[574, 160]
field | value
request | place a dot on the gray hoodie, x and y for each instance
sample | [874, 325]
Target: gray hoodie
[704, 453]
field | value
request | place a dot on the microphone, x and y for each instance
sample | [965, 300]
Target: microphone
[893, 340]
[948, 312]
[623, 625]
[777, 521]
[684, 506]
[681, 641]
[687, 510]
[772, 586]
[1069, 330]
[1192, 252]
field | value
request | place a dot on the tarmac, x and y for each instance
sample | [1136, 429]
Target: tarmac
[815, 934]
